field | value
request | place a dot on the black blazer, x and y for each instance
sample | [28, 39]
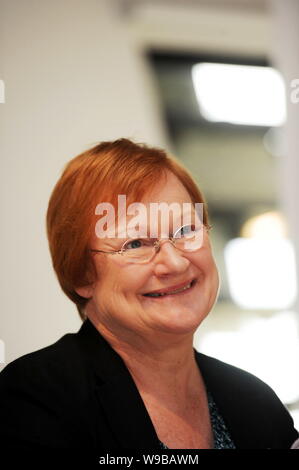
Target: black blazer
[78, 394]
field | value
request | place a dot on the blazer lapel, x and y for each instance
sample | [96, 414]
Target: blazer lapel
[116, 392]
[225, 383]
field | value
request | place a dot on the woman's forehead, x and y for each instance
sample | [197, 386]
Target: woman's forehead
[162, 210]
[168, 189]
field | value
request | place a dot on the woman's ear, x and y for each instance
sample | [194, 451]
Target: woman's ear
[85, 291]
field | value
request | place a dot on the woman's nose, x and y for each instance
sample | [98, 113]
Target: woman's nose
[169, 259]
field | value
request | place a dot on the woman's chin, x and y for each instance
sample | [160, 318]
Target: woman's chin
[182, 322]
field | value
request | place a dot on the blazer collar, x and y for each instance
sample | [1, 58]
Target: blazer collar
[120, 399]
[116, 391]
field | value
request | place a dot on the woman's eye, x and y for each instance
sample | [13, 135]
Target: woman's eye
[185, 230]
[133, 244]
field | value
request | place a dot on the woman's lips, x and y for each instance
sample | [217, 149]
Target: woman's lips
[181, 292]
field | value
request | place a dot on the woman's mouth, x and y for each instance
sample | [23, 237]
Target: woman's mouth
[180, 291]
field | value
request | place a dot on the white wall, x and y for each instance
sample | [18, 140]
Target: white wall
[72, 79]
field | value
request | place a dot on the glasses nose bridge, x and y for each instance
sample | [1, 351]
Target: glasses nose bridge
[159, 242]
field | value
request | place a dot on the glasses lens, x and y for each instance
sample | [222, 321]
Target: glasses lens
[139, 250]
[189, 237]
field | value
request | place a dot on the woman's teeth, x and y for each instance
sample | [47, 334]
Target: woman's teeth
[156, 294]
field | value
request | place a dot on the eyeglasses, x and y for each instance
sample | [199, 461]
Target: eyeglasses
[187, 238]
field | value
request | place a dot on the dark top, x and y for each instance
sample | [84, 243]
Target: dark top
[78, 394]
[222, 438]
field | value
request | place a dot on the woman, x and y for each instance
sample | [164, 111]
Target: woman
[130, 378]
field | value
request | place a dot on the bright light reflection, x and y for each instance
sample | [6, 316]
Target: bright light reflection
[268, 348]
[267, 225]
[239, 94]
[261, 272]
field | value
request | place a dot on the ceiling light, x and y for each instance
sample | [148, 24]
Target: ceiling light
[240, 94]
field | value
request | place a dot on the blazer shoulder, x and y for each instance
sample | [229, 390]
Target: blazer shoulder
[244, 398]
[41, 396]
[45, 361]
[238, 384]
[216, 370]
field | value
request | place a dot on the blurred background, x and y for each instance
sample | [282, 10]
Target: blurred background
[216, 83]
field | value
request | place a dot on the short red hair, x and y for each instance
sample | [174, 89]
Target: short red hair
[99, 175]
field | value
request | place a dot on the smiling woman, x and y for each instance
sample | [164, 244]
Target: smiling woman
[122, 294]
[130, 377]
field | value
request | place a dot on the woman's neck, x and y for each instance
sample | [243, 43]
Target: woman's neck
[158, 362]
[174, 379]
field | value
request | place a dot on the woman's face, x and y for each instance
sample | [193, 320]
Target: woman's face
[117, 300]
